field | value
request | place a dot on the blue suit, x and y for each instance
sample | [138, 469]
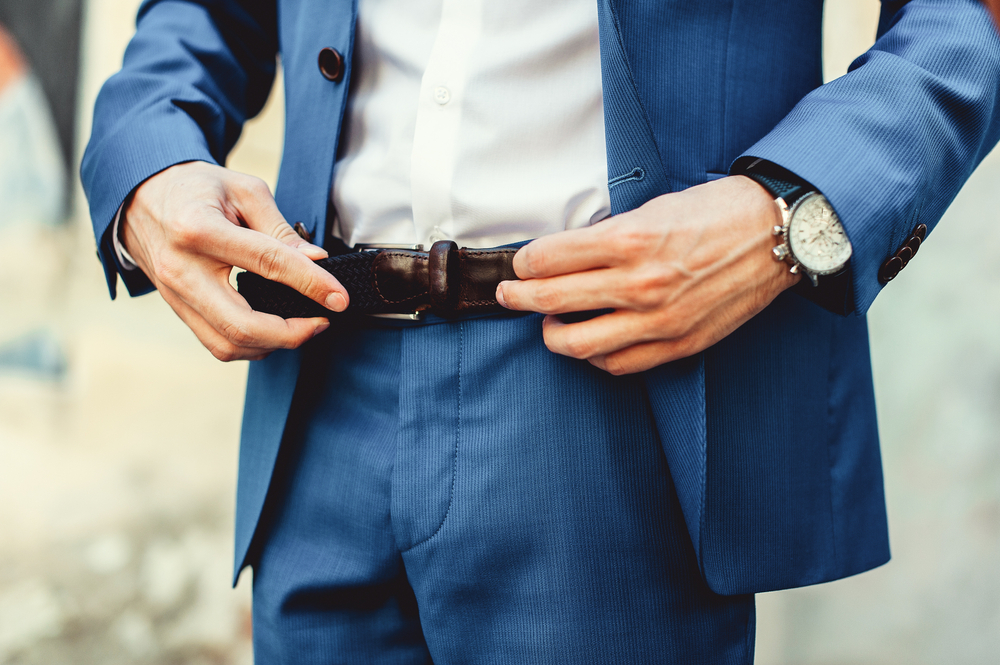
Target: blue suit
[770, 435]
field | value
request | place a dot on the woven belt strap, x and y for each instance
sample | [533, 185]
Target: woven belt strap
[446, 281]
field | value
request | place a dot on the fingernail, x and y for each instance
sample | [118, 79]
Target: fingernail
[337, 302]
[318, 249]
[313, 251]
[500, 295]
[321, 327]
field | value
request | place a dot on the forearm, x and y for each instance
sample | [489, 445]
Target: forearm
[191, 76]
[892, 142]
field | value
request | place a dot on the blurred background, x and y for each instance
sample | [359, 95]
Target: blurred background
[119, 433]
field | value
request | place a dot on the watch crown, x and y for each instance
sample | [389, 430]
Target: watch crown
[777, 230]
[780, 252]
[794, 269]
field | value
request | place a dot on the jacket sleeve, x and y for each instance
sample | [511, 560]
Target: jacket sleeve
[891, 142]
[192, 74]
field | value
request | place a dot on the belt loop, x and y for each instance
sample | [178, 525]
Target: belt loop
[442, 263]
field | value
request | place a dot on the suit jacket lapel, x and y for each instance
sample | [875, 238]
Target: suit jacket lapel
[636, 175]
[635, 170]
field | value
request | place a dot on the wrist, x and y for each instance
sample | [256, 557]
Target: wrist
[811, 238]
[764, 214]
[766, 210]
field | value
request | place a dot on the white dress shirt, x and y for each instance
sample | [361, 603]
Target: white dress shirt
[478, 121]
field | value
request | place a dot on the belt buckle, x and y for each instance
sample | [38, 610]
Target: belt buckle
[375, 247]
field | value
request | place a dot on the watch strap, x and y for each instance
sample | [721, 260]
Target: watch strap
[779, 182]
[834, 293]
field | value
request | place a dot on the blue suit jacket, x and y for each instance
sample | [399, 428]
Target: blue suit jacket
[771, 434]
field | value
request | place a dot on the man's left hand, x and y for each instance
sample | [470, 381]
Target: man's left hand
[681, 272]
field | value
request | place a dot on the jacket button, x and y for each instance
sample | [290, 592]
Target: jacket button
[331, 64]
[914, 244]
[905, 254]
[920, 231]
[302, 231]
[890, 269]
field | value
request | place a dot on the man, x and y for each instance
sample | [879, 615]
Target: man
[478, 487]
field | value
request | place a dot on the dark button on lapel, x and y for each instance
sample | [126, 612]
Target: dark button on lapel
[920, 231]
[331, 64]
[905, 254]
[914, 244]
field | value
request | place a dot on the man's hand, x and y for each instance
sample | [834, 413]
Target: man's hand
[187, 226]
[994, 7]
[681, 272]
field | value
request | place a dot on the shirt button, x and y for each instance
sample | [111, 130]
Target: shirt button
[437, 234]
[442, 95]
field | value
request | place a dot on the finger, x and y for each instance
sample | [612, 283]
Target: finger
[642, 357]
[311, 251]
[570, 251]
[270, 258]
[231, 317]
[256, 206]
[598, 336]
[578, 292]
[218, 346]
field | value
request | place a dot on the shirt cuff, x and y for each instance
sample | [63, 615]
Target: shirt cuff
[124, 258]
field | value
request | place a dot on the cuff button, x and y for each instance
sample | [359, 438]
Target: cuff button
[890, 269]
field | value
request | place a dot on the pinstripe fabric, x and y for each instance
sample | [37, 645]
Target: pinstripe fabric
[907, 127]
[524, 497]
[639, 174]
[770, 435]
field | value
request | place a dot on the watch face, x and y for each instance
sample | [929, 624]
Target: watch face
[816, 236]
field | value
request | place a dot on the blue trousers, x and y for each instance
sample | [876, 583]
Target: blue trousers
[453, 492]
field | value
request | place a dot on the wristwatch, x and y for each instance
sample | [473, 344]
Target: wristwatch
[812, 239]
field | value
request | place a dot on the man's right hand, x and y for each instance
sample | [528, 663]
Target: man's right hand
[187, 226]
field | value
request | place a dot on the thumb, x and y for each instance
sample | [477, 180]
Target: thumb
[298, 237]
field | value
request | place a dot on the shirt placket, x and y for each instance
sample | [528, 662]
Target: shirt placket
[439, 118]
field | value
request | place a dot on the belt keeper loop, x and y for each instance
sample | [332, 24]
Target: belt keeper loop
[442, 264]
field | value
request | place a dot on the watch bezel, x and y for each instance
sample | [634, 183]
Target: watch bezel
[788, 215]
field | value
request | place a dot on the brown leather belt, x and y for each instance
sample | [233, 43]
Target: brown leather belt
[401, 283]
